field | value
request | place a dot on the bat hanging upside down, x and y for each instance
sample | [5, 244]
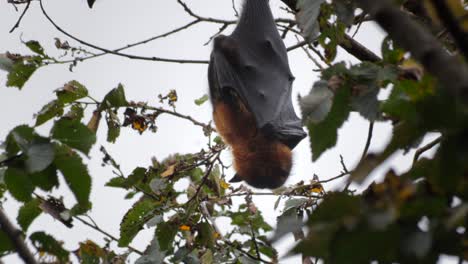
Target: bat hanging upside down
[250, 86]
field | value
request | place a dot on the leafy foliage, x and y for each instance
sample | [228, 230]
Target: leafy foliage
[410, 217]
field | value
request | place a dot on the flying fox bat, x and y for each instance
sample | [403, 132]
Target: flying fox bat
[250, 86]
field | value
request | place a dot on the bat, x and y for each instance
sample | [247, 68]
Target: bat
[250, 86]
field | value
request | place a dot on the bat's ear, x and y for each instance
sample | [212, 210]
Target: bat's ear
[236, 178]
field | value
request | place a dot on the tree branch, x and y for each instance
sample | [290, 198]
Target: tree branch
[114, 52]
[21, 17]
[15, 237]
[423, 46]
[453, 26]
[349, 44]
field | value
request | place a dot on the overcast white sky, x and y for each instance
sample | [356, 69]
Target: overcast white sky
[115, 23]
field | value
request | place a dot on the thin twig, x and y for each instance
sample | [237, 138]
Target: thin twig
[368, 141]
[21, 17]
[114, 52]
[136, 43]
[203, 181]
[15, 236]
[427, 147]
[97, 228]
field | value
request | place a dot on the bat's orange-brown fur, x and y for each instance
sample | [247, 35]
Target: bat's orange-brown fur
[261, 161]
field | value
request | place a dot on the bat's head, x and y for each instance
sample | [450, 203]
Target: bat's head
[263, 166]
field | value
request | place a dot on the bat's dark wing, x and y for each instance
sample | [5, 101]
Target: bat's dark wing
[253, 62]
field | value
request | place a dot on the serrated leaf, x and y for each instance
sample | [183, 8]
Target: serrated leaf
[35, 47]
[137, 175]
[153, 254]
[27, 213]
[19, 184]
[325, 134]
[49, 111]
[71, 92]
[46, 243]
[113, 131]
[24, 133]
[202, 99]
[307, 17]
[117, 182]
[317, 104]
[205, 236]
[115, 98]
[76, 112]
[165, 232]
[367, 104]
[76, 175]
[286, 223]
[20, 74]
[134, 219]
[45, 179]
[74, 134]
[39, 155]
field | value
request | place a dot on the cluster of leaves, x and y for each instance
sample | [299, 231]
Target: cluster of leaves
[410, 218]
[182, 218]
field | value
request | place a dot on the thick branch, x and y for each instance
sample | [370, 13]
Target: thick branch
[348, 43]
[423, 46]
[452, 24]
[15, 237]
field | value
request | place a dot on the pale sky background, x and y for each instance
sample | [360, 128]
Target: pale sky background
[112, 24]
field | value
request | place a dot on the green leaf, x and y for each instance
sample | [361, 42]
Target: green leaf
[325, 134]
[5, 243]
[27, 213]
[134, 219]
[46, 243]
[46, 179]
[153, 254]
[23, 134]
[74, 134]
[207, 258]
[39, 155]
[69, 163]
[115, 98]
[366, 103]
[76, 112]
[205, 235]
[20, 74]
[137, 175]
[317, 104]
[71, 92]
[165, 232]
[117, 182]
[19, 184]
[307, 17]
[202, 100]
[336, 207]
[113, 127]
[49, 111]
[35, 47]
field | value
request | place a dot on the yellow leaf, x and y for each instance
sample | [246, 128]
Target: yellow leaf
[216, 235]
[169, 171]
[316, 190]
[184, 228]
[224, 184]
